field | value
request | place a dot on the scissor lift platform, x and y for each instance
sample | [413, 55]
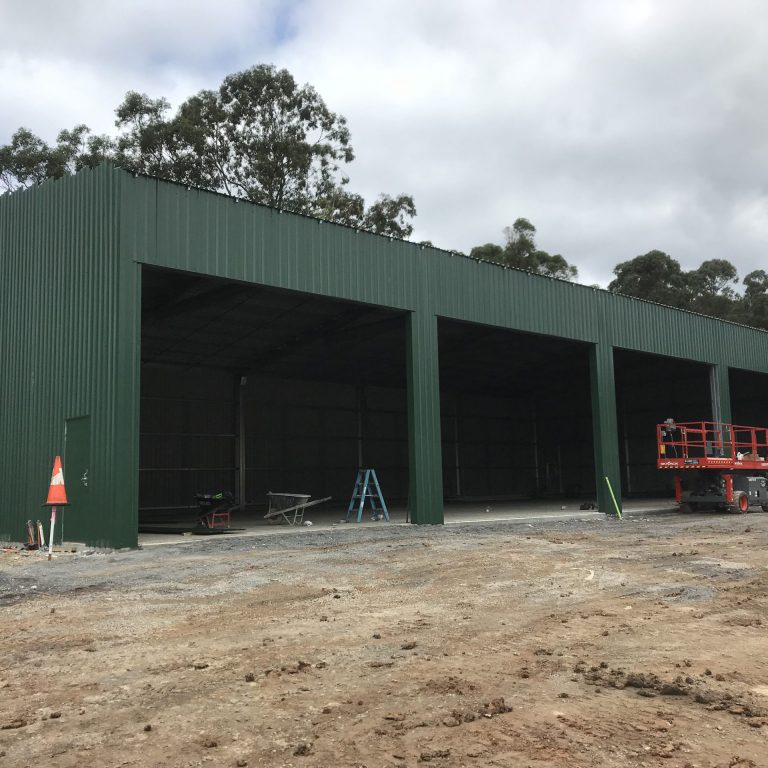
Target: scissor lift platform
[730, 460]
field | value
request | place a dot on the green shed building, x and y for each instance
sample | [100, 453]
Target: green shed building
[168, 341]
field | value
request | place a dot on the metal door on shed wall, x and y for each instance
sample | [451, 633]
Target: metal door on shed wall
[77, 462]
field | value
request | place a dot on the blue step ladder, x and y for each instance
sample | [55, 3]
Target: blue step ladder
[367, 488]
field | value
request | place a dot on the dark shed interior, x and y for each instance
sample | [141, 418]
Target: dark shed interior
[315, 386]
[749, 404]
[650, 389]
[516, 414]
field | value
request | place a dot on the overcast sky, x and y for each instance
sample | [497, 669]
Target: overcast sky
[614, 126]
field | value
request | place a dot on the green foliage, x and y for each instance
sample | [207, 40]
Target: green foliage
[23, 162]
[391, 216]
[756, 285]
[520, 251]
[147, 143]
[387, 216]
[713, 278]
[655, 276]
[260, 136]
[709, 289]
[752, 308]
[487, 252]
[27, 160]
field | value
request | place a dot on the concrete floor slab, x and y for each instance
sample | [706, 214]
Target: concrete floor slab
[252, 523]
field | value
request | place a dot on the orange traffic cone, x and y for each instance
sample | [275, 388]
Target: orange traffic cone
[57, 493]
[57, 497]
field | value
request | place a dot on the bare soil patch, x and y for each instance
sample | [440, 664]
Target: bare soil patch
[579, 643]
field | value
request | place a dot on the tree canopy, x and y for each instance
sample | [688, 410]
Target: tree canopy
[260, 136]
[520, 251]
[709, 289]
[655, 276]
[27, 160]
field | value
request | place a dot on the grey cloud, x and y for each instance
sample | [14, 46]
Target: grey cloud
[138, 35]
[614, 127]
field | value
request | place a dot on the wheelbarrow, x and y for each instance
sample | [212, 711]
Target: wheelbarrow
[215, 510]
[290, 507]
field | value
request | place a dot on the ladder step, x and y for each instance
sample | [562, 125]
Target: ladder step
[367, 487]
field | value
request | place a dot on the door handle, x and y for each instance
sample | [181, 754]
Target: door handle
[84, 478]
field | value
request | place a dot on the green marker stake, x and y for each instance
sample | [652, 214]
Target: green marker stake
[618, 511]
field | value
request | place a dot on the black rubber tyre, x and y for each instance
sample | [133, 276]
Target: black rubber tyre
[686, 509]
[740, 504]
[764, 507]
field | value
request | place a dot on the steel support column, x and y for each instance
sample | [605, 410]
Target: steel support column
[720, 388]
[456, 451]
[425, 497]
[241, 440]
[360, 408]
[604, 426]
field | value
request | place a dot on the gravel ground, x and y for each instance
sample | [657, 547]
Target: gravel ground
[159, 564]
[550, 643]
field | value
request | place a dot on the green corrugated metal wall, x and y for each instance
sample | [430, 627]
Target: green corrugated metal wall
[215, 235]
[70, 256]
[68, 314]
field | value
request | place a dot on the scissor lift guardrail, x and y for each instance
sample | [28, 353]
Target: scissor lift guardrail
[711, 445]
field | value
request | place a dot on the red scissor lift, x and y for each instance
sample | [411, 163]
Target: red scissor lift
[728, 462]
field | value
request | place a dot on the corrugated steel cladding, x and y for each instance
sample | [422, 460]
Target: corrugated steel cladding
[70, 257]
[67, 317]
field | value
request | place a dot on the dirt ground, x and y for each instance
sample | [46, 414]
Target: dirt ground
[576, 643]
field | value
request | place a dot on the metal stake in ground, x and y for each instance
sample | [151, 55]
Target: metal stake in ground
[57, 496]
[613, 496]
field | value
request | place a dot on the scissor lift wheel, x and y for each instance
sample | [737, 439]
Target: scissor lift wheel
[740, 503]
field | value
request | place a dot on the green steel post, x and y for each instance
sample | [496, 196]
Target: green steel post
[721, 393]
[604, 426]
[425, 451]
